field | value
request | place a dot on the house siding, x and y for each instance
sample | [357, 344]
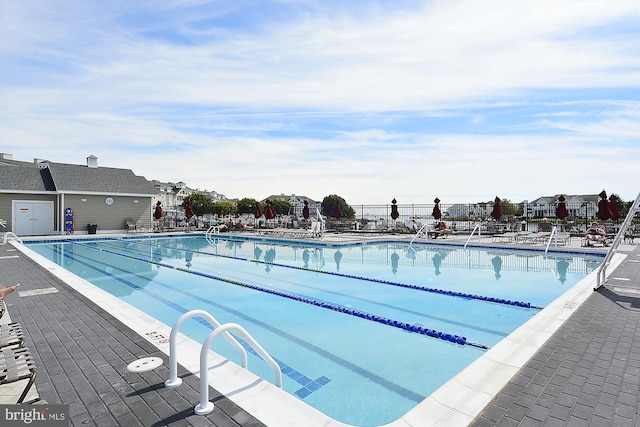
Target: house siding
[6, 206]
[109, 218]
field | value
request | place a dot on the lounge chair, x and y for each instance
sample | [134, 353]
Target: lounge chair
[11, 334]
[17, 373]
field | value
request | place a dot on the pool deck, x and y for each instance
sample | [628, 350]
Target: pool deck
[587, 373]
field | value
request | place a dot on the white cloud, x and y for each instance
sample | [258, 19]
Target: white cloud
[464, 99]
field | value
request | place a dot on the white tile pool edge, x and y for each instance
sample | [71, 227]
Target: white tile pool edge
[456, 403]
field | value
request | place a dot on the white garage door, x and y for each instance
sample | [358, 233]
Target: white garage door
[31, 218]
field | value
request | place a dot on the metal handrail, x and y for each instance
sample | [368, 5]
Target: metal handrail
[477, 227]
[602, 271]
[419, 233]
[9, 234]
[554, 232]
[173, 380]
[205, 406]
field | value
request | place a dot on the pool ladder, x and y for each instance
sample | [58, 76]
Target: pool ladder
[9, 234]
[205, 406]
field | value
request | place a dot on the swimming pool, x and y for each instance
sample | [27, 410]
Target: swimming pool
[323, 311]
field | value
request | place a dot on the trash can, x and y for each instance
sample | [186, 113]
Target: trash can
[92, 228]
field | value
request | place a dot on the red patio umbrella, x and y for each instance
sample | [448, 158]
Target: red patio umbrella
[157, 213]
[394, 210]
[561, 208]
[613, 208]
[305, 210]
[257, 213]
[604, 212]
[436, 209]
[496, 213]
[338, 212]
[269, 211]
[188, 212]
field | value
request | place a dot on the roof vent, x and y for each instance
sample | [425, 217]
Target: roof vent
[92, 161]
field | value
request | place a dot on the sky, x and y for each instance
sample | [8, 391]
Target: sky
[368, 99]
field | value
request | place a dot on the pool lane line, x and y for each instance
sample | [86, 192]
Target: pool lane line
[463, 295]
[450, 322]
[327, 305]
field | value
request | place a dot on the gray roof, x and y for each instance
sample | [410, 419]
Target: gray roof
[21, 178]
[61, 177]
[79, 178]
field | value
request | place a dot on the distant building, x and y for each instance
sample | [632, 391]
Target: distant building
[579, 206]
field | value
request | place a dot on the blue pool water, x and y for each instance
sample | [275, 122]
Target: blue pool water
[362, 332]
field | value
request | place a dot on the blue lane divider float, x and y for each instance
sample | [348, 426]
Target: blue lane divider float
[464, 295]
[453, 338]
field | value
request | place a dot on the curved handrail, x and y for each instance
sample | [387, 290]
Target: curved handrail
[9, 234]
[477, 227]
[418, 233]
[173, 380]
[213, 229]
[205, 406]
[554, 232]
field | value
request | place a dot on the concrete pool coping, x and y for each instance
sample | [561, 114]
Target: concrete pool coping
[458, 402]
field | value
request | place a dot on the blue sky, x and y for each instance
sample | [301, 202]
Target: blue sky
[370, 100]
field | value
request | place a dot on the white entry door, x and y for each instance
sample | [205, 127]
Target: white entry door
[32, 218]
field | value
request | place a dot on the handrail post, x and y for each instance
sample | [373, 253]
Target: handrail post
[471, 235]
[554, 232]
[205, 406]
[174, 380]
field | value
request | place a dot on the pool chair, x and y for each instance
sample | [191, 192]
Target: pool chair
[11, 335]
[130, 225]
[17, 374]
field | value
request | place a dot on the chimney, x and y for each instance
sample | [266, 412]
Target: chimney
[92, 161]
[6, 156]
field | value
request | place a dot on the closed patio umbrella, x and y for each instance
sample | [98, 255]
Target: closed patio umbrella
[561, 208]
[338, 212]
[157, 213]
[269, 211]
[188, 212]
[436, 209]
[604, 212]
[394, 210]
[613, 208]
[496, 213]
[305, 210]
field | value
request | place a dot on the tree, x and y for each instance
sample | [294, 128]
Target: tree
[510, 209]
[282, 207]
[200, 203]
[330, 202]
[247, 206]
[225, 208]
